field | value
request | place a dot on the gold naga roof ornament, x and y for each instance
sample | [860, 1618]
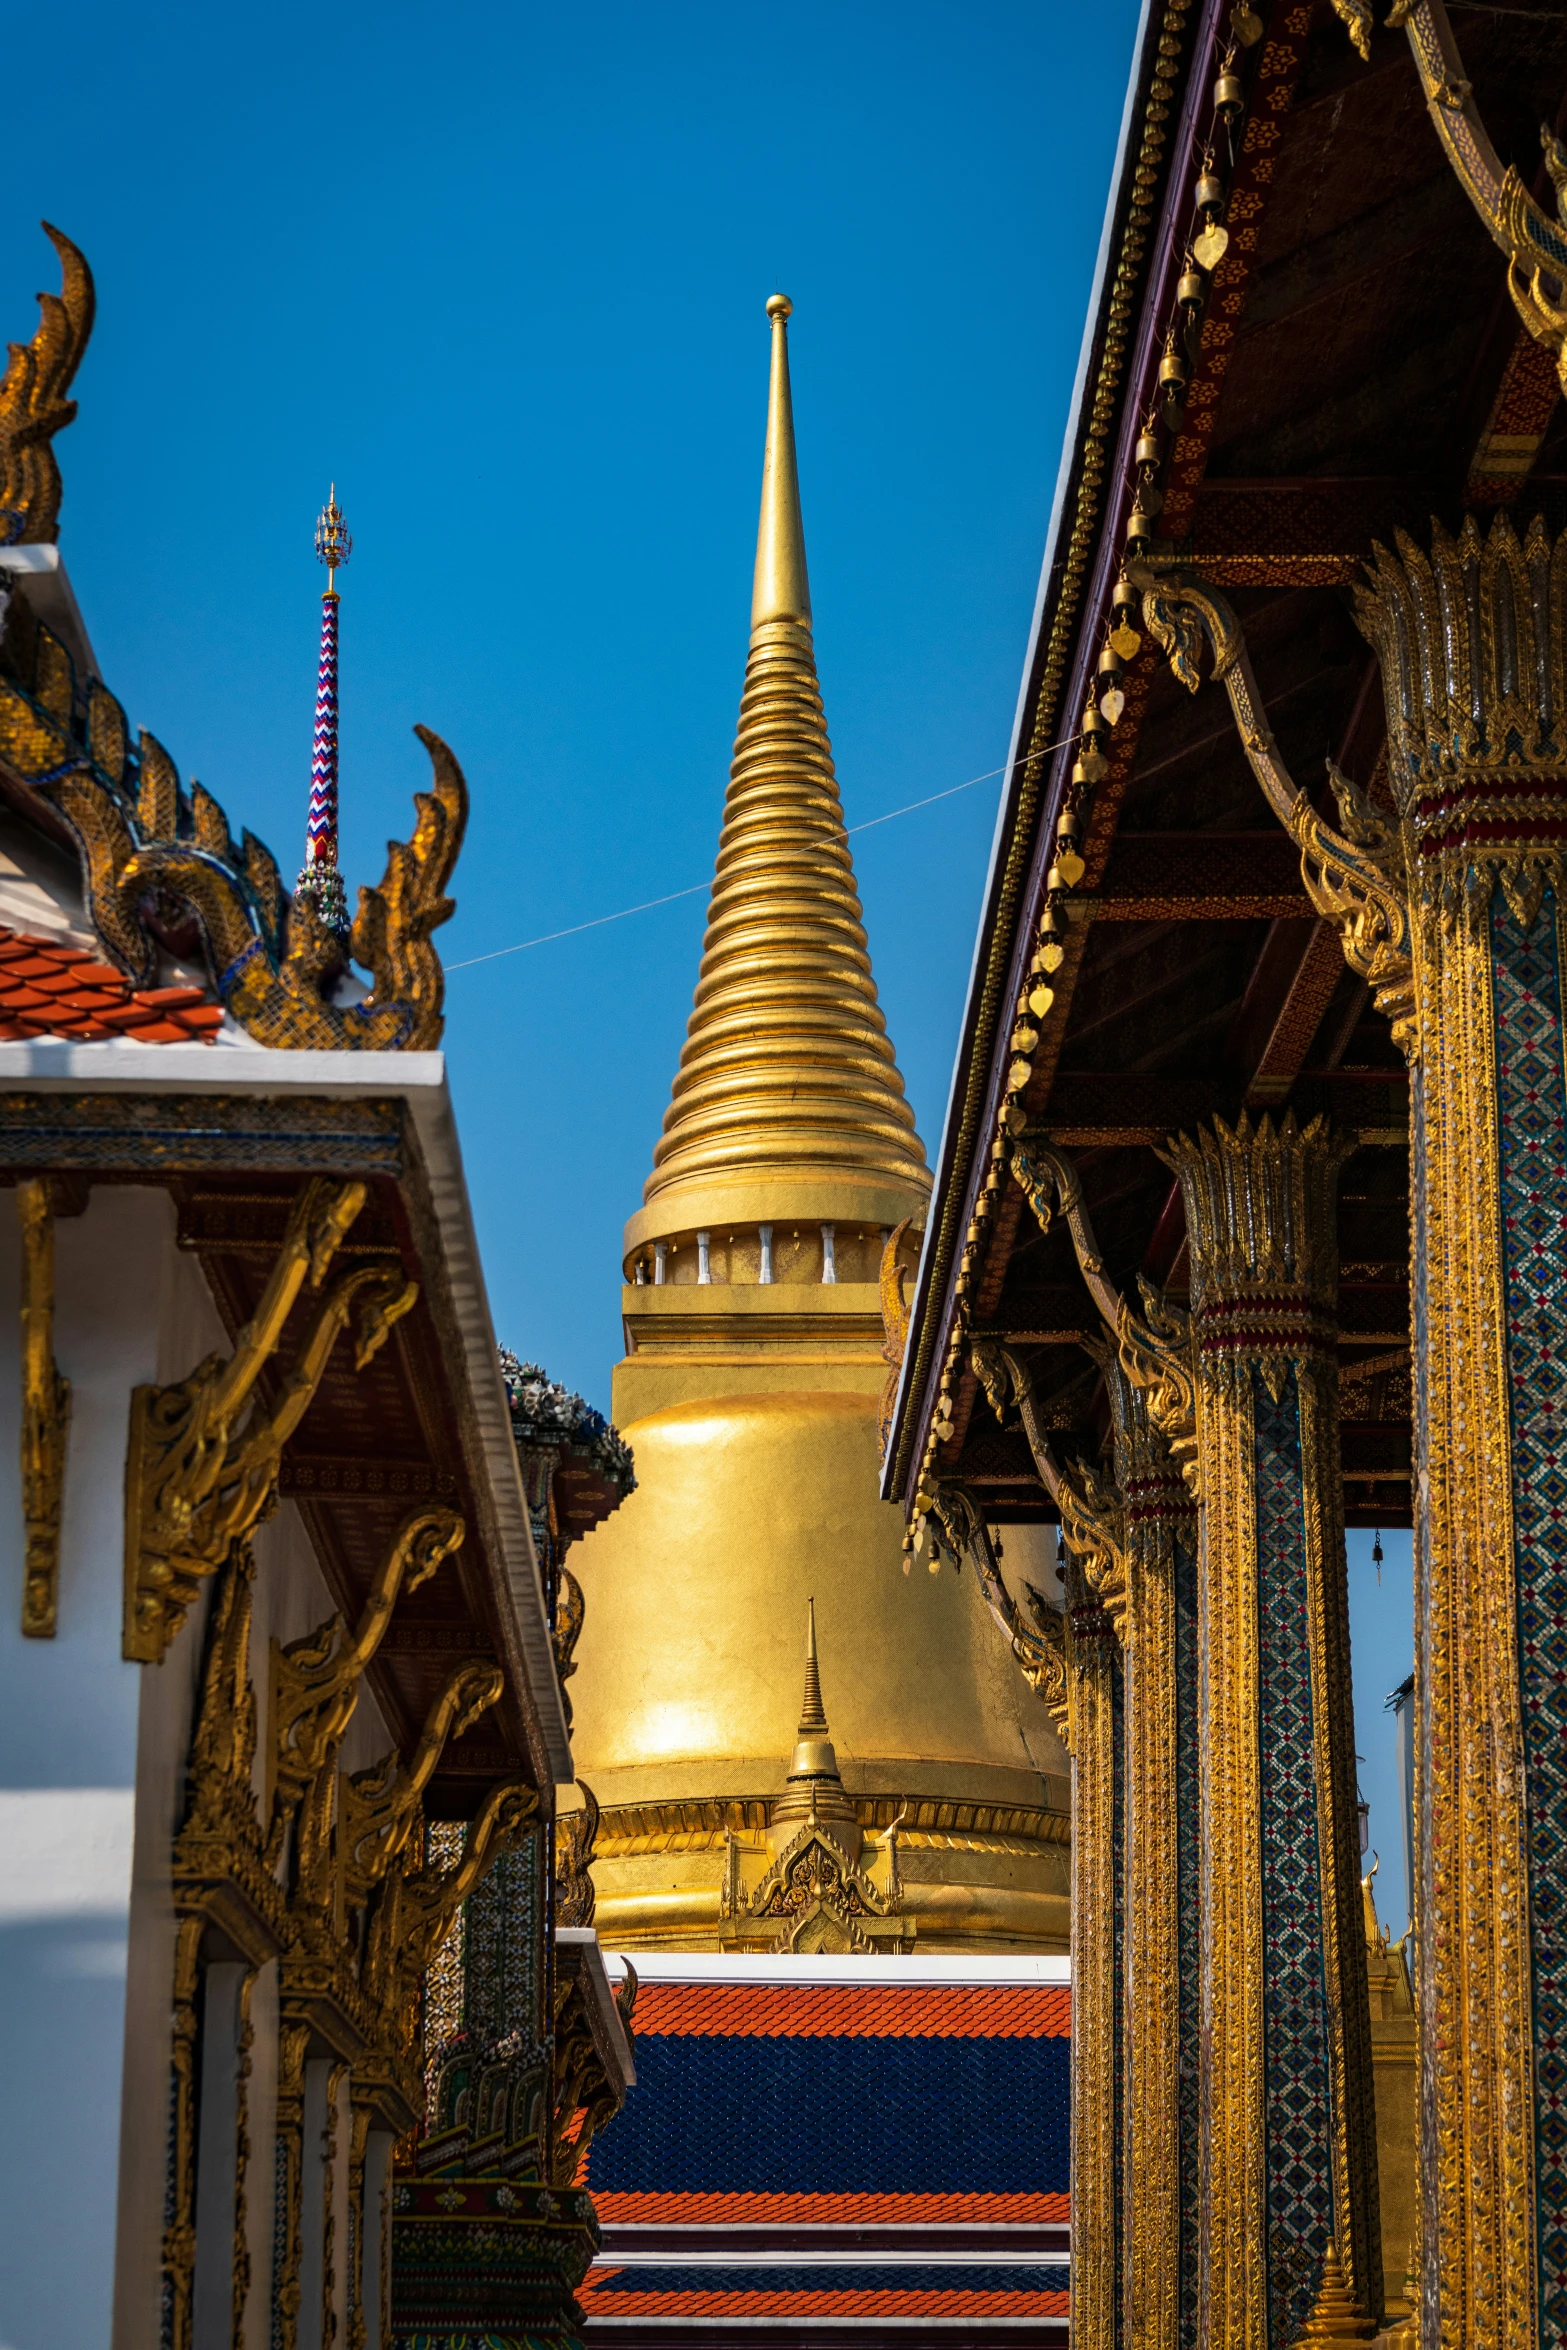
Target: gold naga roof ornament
[33, 405]
[161, 872]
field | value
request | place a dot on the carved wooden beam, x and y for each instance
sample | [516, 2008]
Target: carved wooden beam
[1202, 877]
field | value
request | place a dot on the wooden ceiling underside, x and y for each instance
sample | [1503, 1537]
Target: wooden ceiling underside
[1372, 336]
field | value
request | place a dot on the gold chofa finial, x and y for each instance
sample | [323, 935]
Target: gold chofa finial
[813, 1722]
[781, 590]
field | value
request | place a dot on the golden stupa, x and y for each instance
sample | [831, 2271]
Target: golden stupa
[749, 1392]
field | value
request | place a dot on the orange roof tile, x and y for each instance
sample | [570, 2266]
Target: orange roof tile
[50, 989]
[860, 2011]
[644, 2208]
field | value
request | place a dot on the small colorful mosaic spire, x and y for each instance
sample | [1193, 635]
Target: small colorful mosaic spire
[319, 877]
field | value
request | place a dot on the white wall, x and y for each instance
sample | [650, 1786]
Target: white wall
[92, 1758]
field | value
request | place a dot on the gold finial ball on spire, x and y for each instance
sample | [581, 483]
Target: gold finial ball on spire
[333, 544]
[779, 306]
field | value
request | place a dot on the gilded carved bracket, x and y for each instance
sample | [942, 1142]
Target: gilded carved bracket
[1039, 1649]
[315, 1687]
[1534, 245]
[416, 1904]
[379, 1809]
[196, 1482]
[1093, 1511]
[1154, 1348]
[1355, 877]
[46, 1413]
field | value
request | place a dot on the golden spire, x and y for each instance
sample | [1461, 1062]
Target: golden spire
[780, 590]
[788, 1099]
[813, 1722]
[814, 1789]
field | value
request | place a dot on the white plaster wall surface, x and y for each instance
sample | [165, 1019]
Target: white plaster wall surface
[92, 1762]
[69, 1710]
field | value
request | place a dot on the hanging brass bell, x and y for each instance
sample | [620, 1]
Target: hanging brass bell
[1049, 922]
[1092, 722]
[1069, 828]
[1193, 289]
[1140, 530]
[1228, 95]
[1172, 368]
[1124, 600]
[1210, 192]
[1109, 666]
[1149, 449]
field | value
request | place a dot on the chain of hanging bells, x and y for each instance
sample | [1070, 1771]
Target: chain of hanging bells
[1207, 242]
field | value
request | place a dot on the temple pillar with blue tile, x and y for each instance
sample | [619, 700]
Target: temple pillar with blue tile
[1288, 2175]
[1468, 846]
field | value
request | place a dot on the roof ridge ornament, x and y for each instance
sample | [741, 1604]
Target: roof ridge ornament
[319, 879]
[33, 405]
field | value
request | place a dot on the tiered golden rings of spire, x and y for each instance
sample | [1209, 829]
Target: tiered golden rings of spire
[788, 1099]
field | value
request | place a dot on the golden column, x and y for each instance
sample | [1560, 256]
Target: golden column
[1473, 647]
[1096, 1733]
[1289, 2166]
[1448, 890]
[1161, 1990]
[1135, 1853]
[749, 1393]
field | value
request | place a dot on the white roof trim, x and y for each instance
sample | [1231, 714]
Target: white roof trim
[590, 1957]
[761, 1966]
[419, 1079]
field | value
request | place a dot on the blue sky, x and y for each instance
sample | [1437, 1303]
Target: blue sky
[500, 272]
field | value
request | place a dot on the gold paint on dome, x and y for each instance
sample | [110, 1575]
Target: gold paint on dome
[788, 1098]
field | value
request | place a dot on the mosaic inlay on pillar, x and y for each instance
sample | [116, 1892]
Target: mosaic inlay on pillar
[1289, 2130]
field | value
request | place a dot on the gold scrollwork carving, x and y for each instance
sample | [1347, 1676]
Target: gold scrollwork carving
[46, 1413]
[193, 1486]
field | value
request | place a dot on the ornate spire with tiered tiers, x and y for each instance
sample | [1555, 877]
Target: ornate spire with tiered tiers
[788, 1100]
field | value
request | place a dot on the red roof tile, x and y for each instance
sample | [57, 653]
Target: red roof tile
[825, 2302]
[48, 989]
[728, 2209]
[859, 2011]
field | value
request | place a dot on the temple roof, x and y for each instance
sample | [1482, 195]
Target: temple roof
[162, 888]
[811, 2140]
[1353, 366]
[47, 989]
